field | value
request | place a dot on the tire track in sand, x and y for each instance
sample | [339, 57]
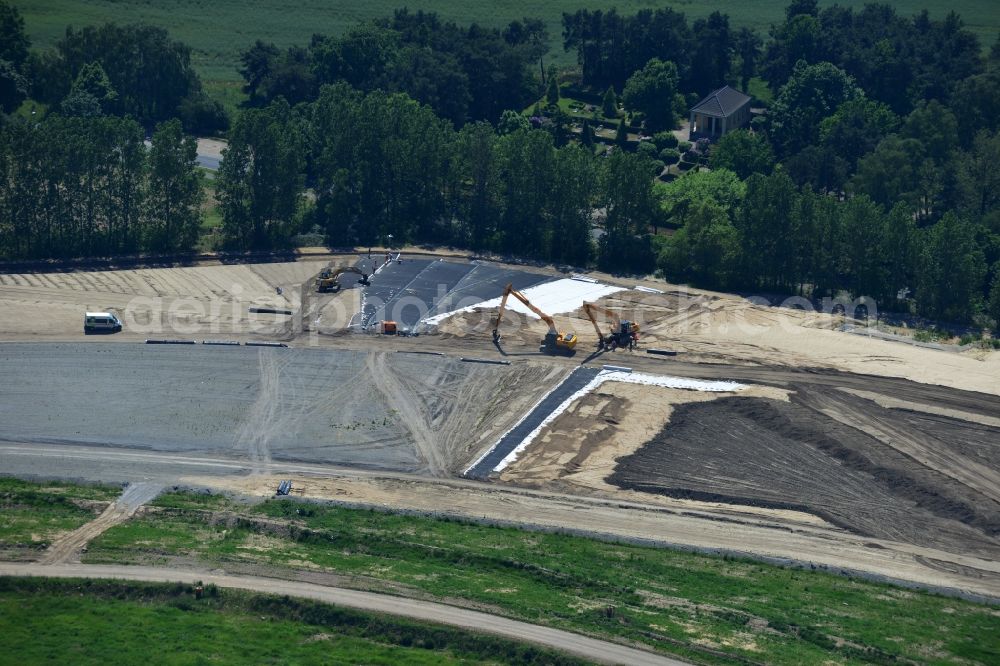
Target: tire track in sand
[264, 420]
[411, 415]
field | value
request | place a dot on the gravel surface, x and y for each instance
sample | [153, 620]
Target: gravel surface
[403, 412]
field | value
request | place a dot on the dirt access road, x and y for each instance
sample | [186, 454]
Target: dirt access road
[774, 535]
[425, 611]
[69, 545]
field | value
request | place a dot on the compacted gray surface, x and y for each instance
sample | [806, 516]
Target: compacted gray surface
[287, 403]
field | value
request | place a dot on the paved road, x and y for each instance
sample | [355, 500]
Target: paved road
[589, 648]
[209, 162]
[210, 153]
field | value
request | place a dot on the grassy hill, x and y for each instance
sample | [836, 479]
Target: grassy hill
[702, 608]
[218, 30]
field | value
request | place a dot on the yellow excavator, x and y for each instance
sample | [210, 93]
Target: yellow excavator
[329, 278]
[624, 333]
[554, 342]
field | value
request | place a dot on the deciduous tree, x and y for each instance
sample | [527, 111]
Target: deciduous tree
[630, 208]
[743, 153]
[14, 45]
[174, 190]
[651, 90]
[952, 268]
[259, 184]
[813, 93]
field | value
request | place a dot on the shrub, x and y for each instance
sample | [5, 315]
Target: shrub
[684, 146]
[646, 148]
[664, 140]
[980, 341]
[670, 155]
[930, 335]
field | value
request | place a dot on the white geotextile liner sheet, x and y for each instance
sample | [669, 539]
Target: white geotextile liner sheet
[625, 377]
[555, 297]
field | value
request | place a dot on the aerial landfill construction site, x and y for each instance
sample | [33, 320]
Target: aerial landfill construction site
[624, 409]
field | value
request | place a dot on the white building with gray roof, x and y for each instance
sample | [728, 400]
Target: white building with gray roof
[723, 110]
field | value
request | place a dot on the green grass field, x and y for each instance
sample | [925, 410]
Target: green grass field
[218, 30]
[98, 622]
[705, 608]
[33, 514]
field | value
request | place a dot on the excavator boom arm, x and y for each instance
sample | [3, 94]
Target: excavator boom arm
[615, 318]
[554, 342]
[510, 291]
[589, 309]
[503, 306]
[531, 306]
[347, 269]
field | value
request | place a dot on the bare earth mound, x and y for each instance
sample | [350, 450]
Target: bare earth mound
[770, 453]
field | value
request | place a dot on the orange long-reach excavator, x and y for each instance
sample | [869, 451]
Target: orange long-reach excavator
[624, 333]
[554, 342]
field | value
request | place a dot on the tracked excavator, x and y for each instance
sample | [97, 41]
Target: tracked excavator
[329, 278]
[554, 342]
[624, 333]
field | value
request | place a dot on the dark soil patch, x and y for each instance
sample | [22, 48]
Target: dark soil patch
[768, 453]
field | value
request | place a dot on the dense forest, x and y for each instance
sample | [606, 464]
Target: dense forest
[463, 74]
[871, 172]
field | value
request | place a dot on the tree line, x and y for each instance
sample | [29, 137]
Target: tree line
[463, 73]
[851, 182]
[85, 187]
[859, 178]
[380, 164]
[133, 70]
[766, 233]
[610, 47]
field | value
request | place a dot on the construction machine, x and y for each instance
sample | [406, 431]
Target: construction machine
[554, 342]
[329, 278]
[624, 333]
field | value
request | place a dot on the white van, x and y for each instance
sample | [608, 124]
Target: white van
[101, 322]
